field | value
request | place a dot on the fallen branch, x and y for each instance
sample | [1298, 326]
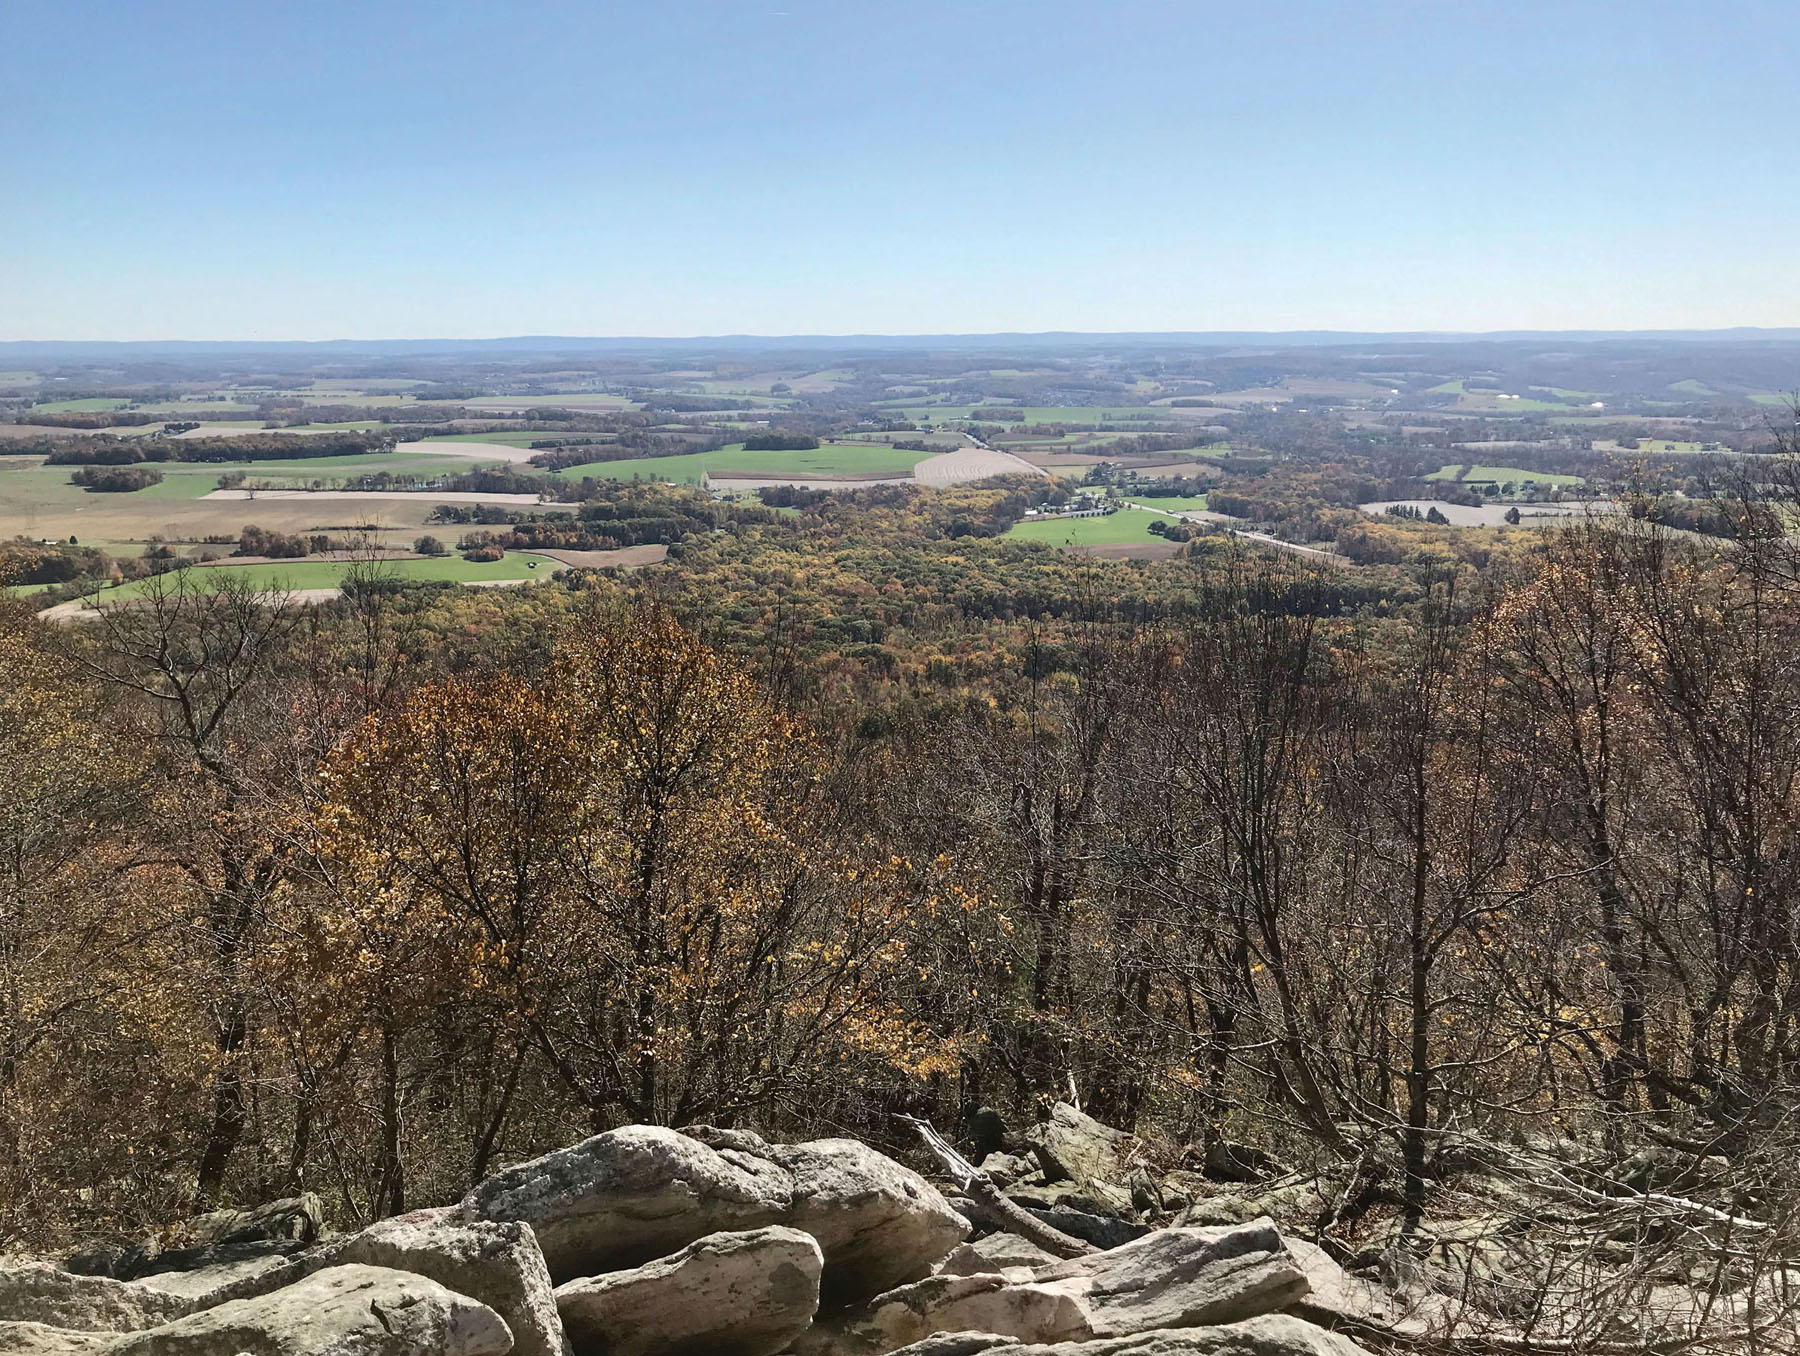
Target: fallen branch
[1001, 1212]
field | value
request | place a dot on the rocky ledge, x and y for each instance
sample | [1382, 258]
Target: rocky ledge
[646, 1241]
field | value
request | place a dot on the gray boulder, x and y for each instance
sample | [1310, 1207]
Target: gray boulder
[1176, 1278]
[1270, 1335]
[38, 1292]
[640, 1192]
[879, 1224]
[729, 1294]
[498, 1264]
[629, 1196]
[296, 1218]
[341, 1311]
[1074, 1146]
[997, 1254]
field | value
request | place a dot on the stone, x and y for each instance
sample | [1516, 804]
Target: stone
[997, 1254]
[1103, 1231]
[1005, 1169]
[1179, 1278]
[629, 1196]
[1336, 1297]
[39, 1292]
[1074, 1146]
[296, 1218]
[205, 1273]
[981, 1303]
[340, 1311]
[40, 1339]
[1092, 1198]
[1174, 1278]
[729, 1294]
[1270, 1335]
[496, 1263]
[878, 1222]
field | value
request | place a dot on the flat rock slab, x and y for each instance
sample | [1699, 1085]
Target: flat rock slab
[1176, 1278]
[39, 1292]
[1270, 1335]
[730, 1294]
[341, 1311]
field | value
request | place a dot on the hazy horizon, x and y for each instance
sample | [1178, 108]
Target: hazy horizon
[183, 169]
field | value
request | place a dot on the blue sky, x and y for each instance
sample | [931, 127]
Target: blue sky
[468, 168]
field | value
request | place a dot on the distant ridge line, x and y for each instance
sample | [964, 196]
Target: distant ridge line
[1047, 339]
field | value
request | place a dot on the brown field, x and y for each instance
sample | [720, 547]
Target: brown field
[629, 557]
[190, 520]
[1156, 550]
[971, 463]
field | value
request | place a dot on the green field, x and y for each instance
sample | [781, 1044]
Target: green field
[92, 406]
[1489, 402]
[1446, 388]
[33, 489]
[1127, 527]
[832, 459]
[1173, 503]
[1501, 474]
[327, 574]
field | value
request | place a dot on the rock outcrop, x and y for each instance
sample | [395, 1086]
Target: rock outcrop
[646, 1241]
[1175, 1278]
[39, 1292]
[498, 1264]
[341, 1311]
[729, 1294]
[629, 1196]
[1269, 1335]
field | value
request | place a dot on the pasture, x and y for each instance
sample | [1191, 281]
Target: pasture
[823, 463]
[1127, 527]
[328, 574]
[39, 501]
[95, 405]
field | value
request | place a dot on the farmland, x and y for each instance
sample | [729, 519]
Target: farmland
[39, 501]
[1129, 526]
[515, 566]
[824, 462]
[1500, 475]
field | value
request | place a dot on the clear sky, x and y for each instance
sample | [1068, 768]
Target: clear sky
[276, 169]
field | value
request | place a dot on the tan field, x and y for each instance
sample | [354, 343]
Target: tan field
[972, 463]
